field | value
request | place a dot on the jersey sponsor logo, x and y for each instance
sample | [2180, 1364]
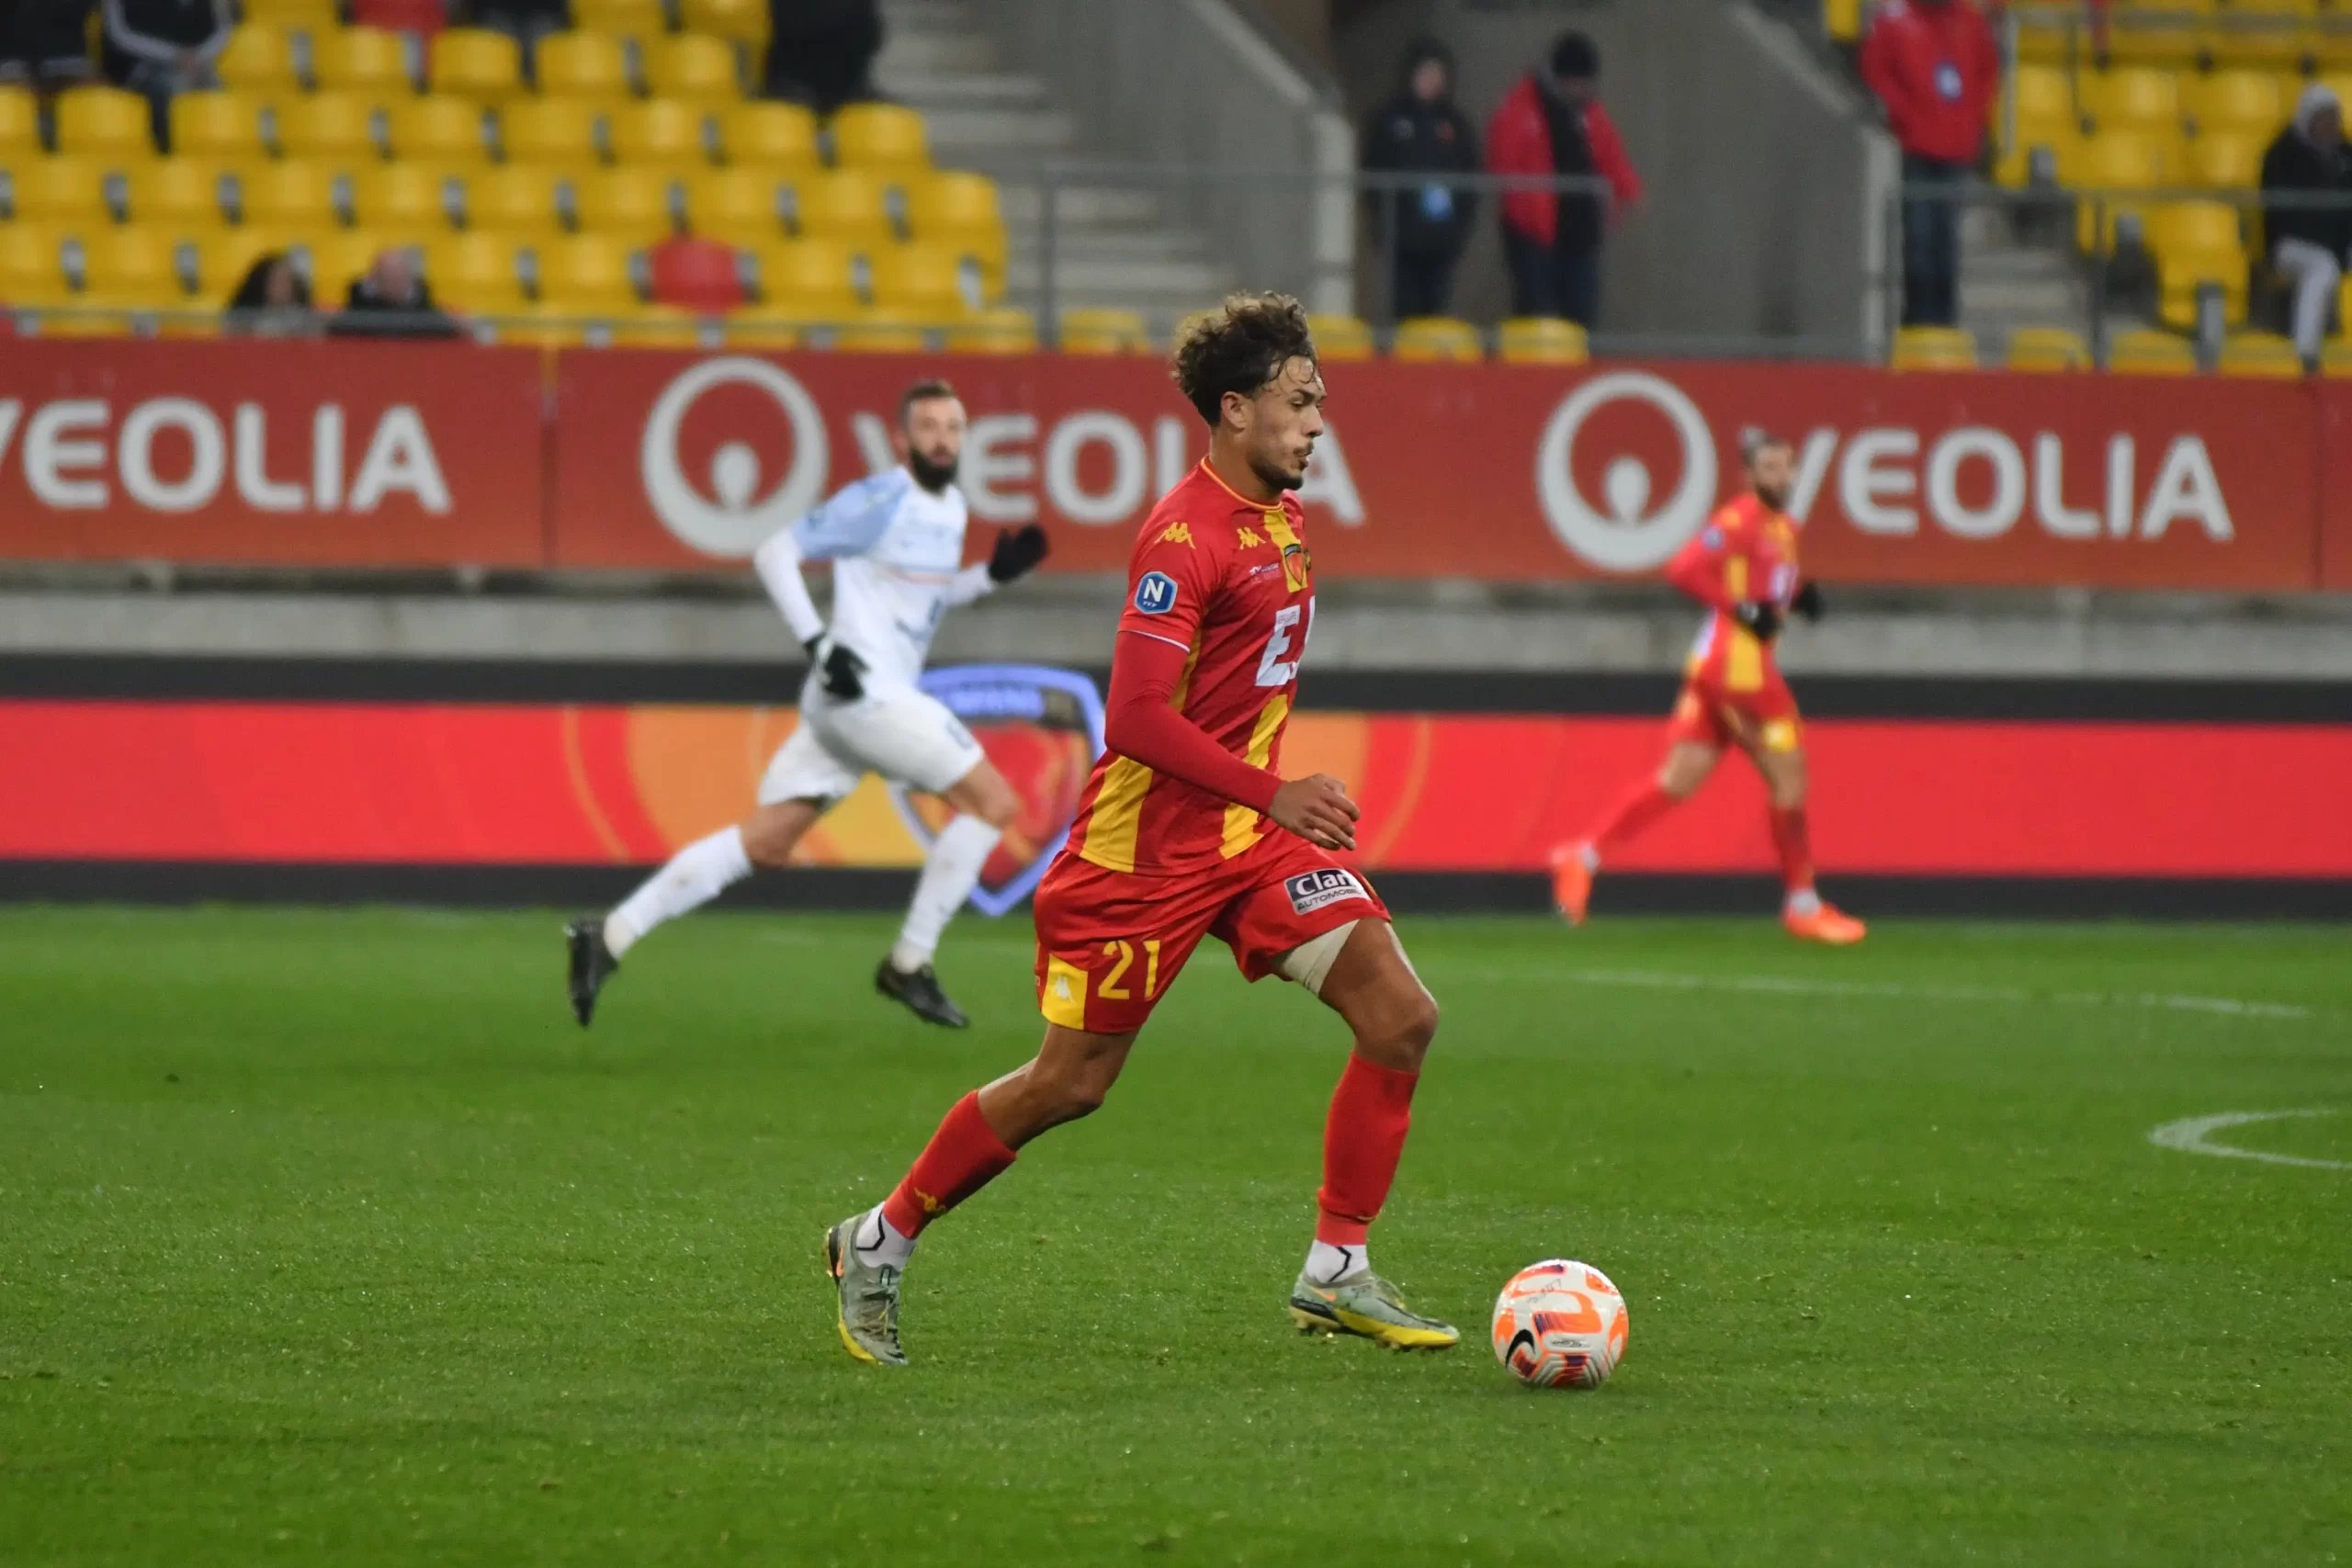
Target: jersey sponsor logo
[1156, 593]
[1247, 537]
[1296, 565]
[1313, 890]
[1182, 533]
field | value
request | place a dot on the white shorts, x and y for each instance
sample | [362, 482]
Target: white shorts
[908, 737]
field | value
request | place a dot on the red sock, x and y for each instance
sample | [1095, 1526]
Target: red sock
[1794, 840]
[1641, 805]
[963, 1156]
[1363, 1141]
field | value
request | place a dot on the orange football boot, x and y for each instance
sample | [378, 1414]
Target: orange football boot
[1828, 925]
[1571, 883]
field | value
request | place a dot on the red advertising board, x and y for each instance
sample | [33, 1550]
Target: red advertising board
[310, 453]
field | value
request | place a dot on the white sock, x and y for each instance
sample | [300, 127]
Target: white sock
[1803, 901]
[948, 873]
[1590, 855]
[1327, 1263]
[878, 1241]
[696, 876]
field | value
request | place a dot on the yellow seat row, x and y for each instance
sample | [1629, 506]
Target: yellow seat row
[483, 66]
[2132, 352]
[746, 21]
[1428, 339]
[2254, 32]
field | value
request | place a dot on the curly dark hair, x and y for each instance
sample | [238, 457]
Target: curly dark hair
[1239, 347]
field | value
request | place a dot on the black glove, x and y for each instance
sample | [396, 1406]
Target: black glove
[842, 667]
[1761, 619]
[1808, 601]
[1017, 552]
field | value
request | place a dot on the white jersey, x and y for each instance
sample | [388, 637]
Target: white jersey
[897, 555]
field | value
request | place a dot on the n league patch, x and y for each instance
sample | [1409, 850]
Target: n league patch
[1313, 890]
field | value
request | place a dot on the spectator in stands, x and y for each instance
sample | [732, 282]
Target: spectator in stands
[392, 301]
[1935, 67]
[2308, 244]
[45, 42]
[163, 48]
[524, 21]
[273, 301]
[1552, 124]
[1420, 131]
[821, 52]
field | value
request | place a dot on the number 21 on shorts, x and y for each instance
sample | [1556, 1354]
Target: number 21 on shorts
[1125, 973]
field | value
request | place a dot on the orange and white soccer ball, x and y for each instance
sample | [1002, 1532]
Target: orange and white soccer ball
[1560, 1324]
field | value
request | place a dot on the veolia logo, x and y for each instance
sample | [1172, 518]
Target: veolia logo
[1626, 536]
[732, 518]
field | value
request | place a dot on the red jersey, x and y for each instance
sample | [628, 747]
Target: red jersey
[1746, 554]
[1229, 581]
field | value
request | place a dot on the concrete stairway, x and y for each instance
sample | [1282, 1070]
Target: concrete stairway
[1114, 244]
[2013, 276]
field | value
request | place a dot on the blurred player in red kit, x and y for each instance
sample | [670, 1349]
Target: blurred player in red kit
[1743, 568]
[1188, 830]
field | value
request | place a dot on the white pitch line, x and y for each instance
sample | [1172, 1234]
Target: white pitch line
[2193, 1135]
[1790, 986]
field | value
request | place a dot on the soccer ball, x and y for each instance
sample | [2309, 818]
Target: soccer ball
[1560, 1324]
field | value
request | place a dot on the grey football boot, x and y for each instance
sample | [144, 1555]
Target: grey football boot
[868, 1316]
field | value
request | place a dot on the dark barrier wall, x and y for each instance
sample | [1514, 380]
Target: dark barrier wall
[313, 453]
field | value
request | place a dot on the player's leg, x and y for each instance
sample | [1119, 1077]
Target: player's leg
[1774, 743]
[803, 781]
[1694, 746]
[984, 805]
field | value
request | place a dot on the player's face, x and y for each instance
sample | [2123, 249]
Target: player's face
[1282, 422]
[1772, 471]
[931, 441]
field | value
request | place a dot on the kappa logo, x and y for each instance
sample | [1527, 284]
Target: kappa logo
[1248, 539]
[1313, 890]
[1182, 533]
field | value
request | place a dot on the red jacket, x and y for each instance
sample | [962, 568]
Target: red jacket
[1935, 66]
[1519, 141]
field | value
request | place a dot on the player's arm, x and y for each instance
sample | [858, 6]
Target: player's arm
[1701, 569]
[1018, 552]
[849, 523]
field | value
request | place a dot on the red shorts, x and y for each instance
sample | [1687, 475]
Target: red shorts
[1111, 942]
[1764, 719]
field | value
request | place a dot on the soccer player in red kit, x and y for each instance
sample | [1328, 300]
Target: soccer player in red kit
[1743, 568]
[1188, 830]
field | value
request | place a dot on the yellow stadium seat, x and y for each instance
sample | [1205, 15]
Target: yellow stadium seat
[213, 266]
[885, 332]
[2047, 349]
[2197, 244]
[743, 21]
[2044, 94]
[749, 330]
[844, 205]
[662, 131]
[105, 122]
[2259, 354]
[738, 207]
[643, 20]
[582, 65]
[632, 203]
[2247, 101]
[2140, 352]
[19, 123]
[32, 269]
[1542, 340]
[343, 127]
[1338, 338]
[60, 190]
[769, 136]
[408, 198]
[216, 125]
[2134, 97]
[924, 282]
[369, 61]
[2168, 33]
[258, 59]
[884, 138]
[2225, 160]
[1934, 348]
[474, 272]
[306, 16]
[560, 132]
[656, 326]
[1000, 330]
[693, 68]
[1102, 331]
[587, 273]
[960, 210]
[334, 260]
[2264, 32]
[176, 193]
[439, 127]
[1431, 339]
[130, 267]
[290, 195]
[2115, 162]
[806, 281]
[513, 200]
[474, 62]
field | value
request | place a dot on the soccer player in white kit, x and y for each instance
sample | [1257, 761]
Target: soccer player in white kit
[896, 544]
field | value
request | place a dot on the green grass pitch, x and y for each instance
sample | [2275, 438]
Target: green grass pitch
[326, 1238]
